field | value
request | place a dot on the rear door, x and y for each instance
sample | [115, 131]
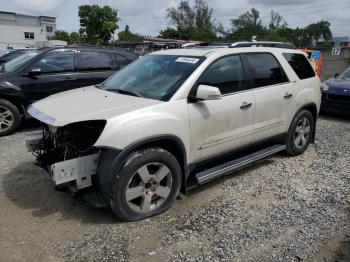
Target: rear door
[222, 125]
[273, 94]
[95, 66]
[58, 74]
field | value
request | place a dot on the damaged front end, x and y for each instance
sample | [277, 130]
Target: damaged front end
[68, 153]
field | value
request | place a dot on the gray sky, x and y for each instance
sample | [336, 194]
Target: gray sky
[148, 16]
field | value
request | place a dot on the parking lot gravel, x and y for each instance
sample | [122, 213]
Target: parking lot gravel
[279, 209]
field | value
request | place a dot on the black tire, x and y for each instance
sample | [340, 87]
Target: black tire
[293, 147]
[121, 207]
[12, 121]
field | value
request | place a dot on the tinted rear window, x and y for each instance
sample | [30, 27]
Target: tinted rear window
[300, 65]
[265, 70]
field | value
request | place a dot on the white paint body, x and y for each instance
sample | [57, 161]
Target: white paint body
[206, 127]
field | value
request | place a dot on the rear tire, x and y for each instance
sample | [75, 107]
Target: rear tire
[146, 185]
[300, 133]
[10, 117]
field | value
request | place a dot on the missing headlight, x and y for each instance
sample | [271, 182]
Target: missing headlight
[68, 142]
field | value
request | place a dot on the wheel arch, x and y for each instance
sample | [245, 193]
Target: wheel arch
[312, 108]
[16, 102]
[113, 159]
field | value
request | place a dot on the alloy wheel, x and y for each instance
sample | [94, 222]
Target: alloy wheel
[149, 187]
[302, 133]
[6, 119]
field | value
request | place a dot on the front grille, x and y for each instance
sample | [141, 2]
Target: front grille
[339, 98]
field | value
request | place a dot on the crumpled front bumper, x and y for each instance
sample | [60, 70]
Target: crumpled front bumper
[77, 170]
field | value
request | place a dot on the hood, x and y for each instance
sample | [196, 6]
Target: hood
[89, 103]
[338, 86]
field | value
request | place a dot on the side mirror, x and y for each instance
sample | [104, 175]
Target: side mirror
[205, 92]
[336, 75]
[34, 72]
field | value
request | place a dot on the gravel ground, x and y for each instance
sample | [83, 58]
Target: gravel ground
[280, 209]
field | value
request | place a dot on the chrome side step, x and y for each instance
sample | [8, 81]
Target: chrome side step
[214, 172]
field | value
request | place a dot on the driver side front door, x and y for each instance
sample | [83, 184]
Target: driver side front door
[218, 126]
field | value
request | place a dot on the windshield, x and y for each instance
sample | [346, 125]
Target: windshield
[12, 55]
[19, 61]
[153, 76]
[346, 74]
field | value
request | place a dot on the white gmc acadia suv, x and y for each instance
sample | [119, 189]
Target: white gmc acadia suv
[175, 119]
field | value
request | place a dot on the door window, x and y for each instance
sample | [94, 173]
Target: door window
[56, 62]
[225, 74]
[264, 70]
[95, 61]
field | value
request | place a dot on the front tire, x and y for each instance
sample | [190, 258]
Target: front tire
[146, 185]
[300, 133]
[10, 117]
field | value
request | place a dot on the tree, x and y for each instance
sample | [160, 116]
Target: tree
[191, 22]
[203, 16]
[182, 16]
[75, 38]
[98, 24]
[276, 21]
[247, 25]
[318, 30]
[61, 35]
[70, 38]
[126, 35]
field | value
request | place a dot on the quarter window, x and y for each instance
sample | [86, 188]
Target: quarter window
[94, 61]
[225, 74]
[56, 62]
[300, 65]
[264, 70]
[121, 60]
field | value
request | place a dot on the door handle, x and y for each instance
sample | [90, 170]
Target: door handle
[245, 105]
[288, 95]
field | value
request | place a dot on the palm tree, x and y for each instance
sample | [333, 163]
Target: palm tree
[318, 30]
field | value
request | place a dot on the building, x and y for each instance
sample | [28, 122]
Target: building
[151, 44]
[338, 41]
[25, 31]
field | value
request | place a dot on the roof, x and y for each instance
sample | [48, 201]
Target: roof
[208, 50]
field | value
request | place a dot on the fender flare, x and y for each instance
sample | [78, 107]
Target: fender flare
[315, 114]
[112, 159]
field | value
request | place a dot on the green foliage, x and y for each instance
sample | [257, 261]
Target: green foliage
[317, 30]
[191, 22]
[126, 35]
[61, 35]
[75, 38]
[70, 38]
[98, 24]
[276, 21]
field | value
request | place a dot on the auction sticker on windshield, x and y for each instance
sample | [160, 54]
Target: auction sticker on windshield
[189, 60]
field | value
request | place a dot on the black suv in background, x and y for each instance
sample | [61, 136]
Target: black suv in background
[39, 73]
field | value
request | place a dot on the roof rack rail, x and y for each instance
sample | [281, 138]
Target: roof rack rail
[95, 46]
[263, 44]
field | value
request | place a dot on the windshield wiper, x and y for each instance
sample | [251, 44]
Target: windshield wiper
[126, 92]
[2, 69]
